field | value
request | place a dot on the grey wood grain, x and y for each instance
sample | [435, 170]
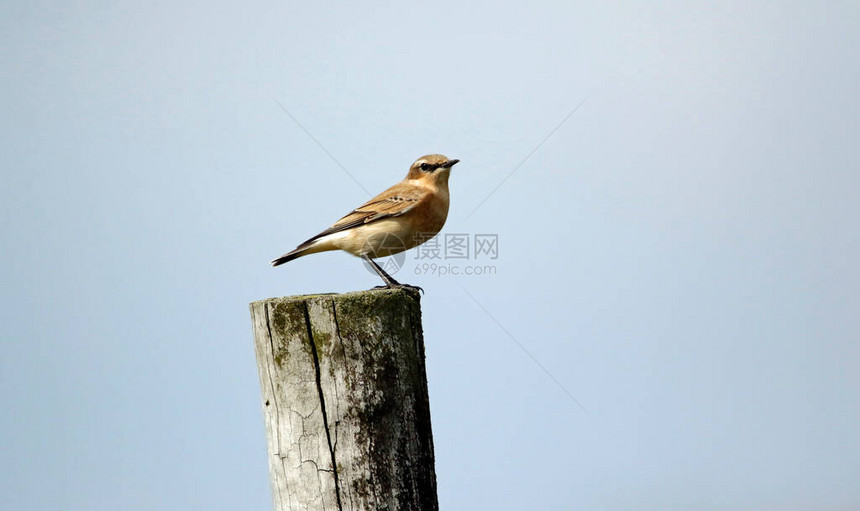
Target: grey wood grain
[345, 401]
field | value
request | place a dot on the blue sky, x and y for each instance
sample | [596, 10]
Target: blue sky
[679, 254]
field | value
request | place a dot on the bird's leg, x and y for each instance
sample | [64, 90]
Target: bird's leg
[388, 279]
[390, 283]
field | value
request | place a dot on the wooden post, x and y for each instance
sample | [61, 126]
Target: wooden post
[345, 401]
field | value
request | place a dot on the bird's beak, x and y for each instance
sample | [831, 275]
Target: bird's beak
[451, 163]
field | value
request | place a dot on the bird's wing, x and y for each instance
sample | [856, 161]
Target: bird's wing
[397, 200]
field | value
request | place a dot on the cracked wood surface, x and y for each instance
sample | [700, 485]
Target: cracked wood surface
[345, 401]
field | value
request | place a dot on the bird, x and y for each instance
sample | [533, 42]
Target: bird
[402, 217]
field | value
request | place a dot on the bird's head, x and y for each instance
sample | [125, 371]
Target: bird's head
[433, 167]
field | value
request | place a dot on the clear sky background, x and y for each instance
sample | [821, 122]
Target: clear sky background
[681, 254]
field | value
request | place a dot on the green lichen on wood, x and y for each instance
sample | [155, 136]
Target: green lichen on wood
[385, 312]
[286, 316]
[322, 340]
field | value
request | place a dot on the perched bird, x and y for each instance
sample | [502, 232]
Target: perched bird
[403, 216]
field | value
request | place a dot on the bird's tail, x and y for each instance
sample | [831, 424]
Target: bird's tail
[312, 246]
[289, 256]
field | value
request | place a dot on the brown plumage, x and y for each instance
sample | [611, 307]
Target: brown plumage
[401, 217]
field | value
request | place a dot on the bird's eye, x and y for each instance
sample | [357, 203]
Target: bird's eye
[425, 166]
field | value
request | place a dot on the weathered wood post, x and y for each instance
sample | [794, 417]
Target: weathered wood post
[345, 401]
